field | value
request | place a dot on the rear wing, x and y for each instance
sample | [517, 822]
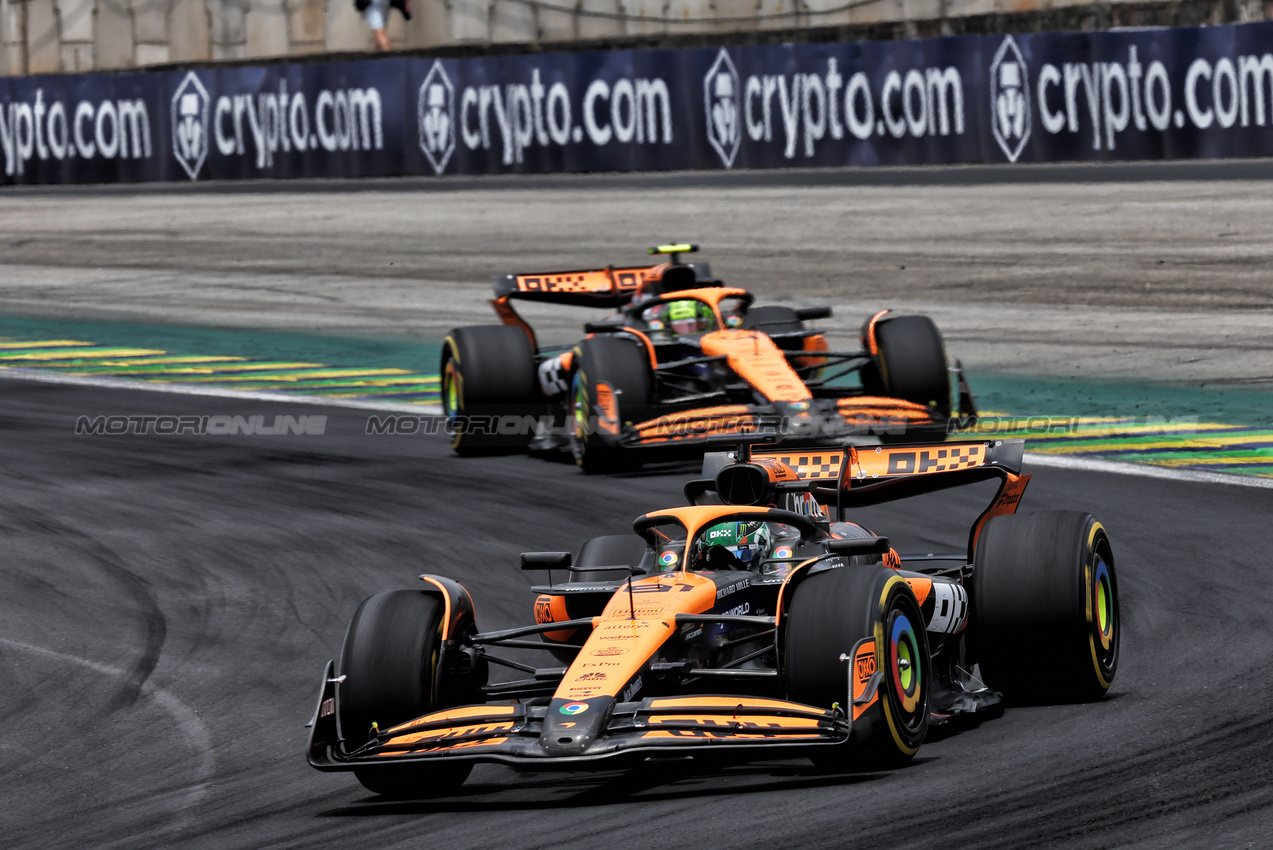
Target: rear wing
[856, 476]
[608, 287]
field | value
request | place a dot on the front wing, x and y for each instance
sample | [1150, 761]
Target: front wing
[712, 727]
[819, 419]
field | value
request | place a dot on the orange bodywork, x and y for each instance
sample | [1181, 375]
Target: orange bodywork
[739, 726]
[621, 643]
[697, 424]
[882, 407]
[776, 469]
[694, 517]
[432, 738]
[868, 338]
[865, 663]
[879, 462]
[920, 586]
[599, 280]
[1006, 502]
[609, 419]
[475, 724]
[822, 464]
[814, 344]
[755, 717]
[509, 316]
[552, 609]
[755, 358]
[915, 460]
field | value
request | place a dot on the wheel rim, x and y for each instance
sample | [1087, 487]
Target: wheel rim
[904, 665]
[450, 391]
[579, 409]
[1104, 611]
[452, 399]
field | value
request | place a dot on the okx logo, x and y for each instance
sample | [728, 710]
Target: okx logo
[1010, 99]
[437, 117]
[720, 97]
[190, 124]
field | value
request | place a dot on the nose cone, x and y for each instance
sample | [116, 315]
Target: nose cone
[571, 726]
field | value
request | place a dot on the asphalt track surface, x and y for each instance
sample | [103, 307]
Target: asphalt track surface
[169, 603]
[1116, 272]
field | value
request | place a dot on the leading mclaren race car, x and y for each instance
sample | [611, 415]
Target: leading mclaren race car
[736, 630]
[682, 359]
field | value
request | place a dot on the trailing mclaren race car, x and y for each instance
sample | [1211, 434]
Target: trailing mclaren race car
[733, 630]
[683, 358]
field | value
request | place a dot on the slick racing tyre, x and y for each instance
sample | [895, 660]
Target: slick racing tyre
[488, 371]
[1044, 607]
[909, 362]
[829, 613]
[389, 669]
[609, 388]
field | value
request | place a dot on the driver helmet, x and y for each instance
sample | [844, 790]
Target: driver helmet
[685, 316]
[748, 541]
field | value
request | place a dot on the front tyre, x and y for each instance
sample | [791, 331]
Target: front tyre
[909, 362]
[609, 388]
[389, 667]
[829, 613]
[1045, 622]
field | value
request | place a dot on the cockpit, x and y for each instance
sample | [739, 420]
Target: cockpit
[747, 542]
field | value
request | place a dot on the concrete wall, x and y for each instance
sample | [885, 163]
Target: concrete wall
[51, 36]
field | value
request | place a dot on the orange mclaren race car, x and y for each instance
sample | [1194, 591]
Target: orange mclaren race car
[736, 630]
[683, 358]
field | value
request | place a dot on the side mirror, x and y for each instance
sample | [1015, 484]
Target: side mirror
[546, 560]
[859, 546]
[601, 327]
[806, 313]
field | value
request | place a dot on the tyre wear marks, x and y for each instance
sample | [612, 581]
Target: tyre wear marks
[154, 624]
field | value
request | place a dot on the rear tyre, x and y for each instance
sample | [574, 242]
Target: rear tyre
[488, 370]
[1044, 607]
[389, 664]
[832, 611]
[610, 388]
[910, 364]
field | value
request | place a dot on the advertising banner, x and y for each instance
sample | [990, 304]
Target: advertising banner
[1043, 97]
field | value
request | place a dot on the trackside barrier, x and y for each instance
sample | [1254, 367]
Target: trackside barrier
[1046, 97]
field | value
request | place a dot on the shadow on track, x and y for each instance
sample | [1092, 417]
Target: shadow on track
[611, 789]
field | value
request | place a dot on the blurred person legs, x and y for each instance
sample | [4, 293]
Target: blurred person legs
[377, 12]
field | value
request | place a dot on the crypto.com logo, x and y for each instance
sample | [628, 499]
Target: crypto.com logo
[1009, 99]
[437, 117]
[720, 104]
[190, 124]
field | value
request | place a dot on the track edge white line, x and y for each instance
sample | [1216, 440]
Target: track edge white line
[1144, 470]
